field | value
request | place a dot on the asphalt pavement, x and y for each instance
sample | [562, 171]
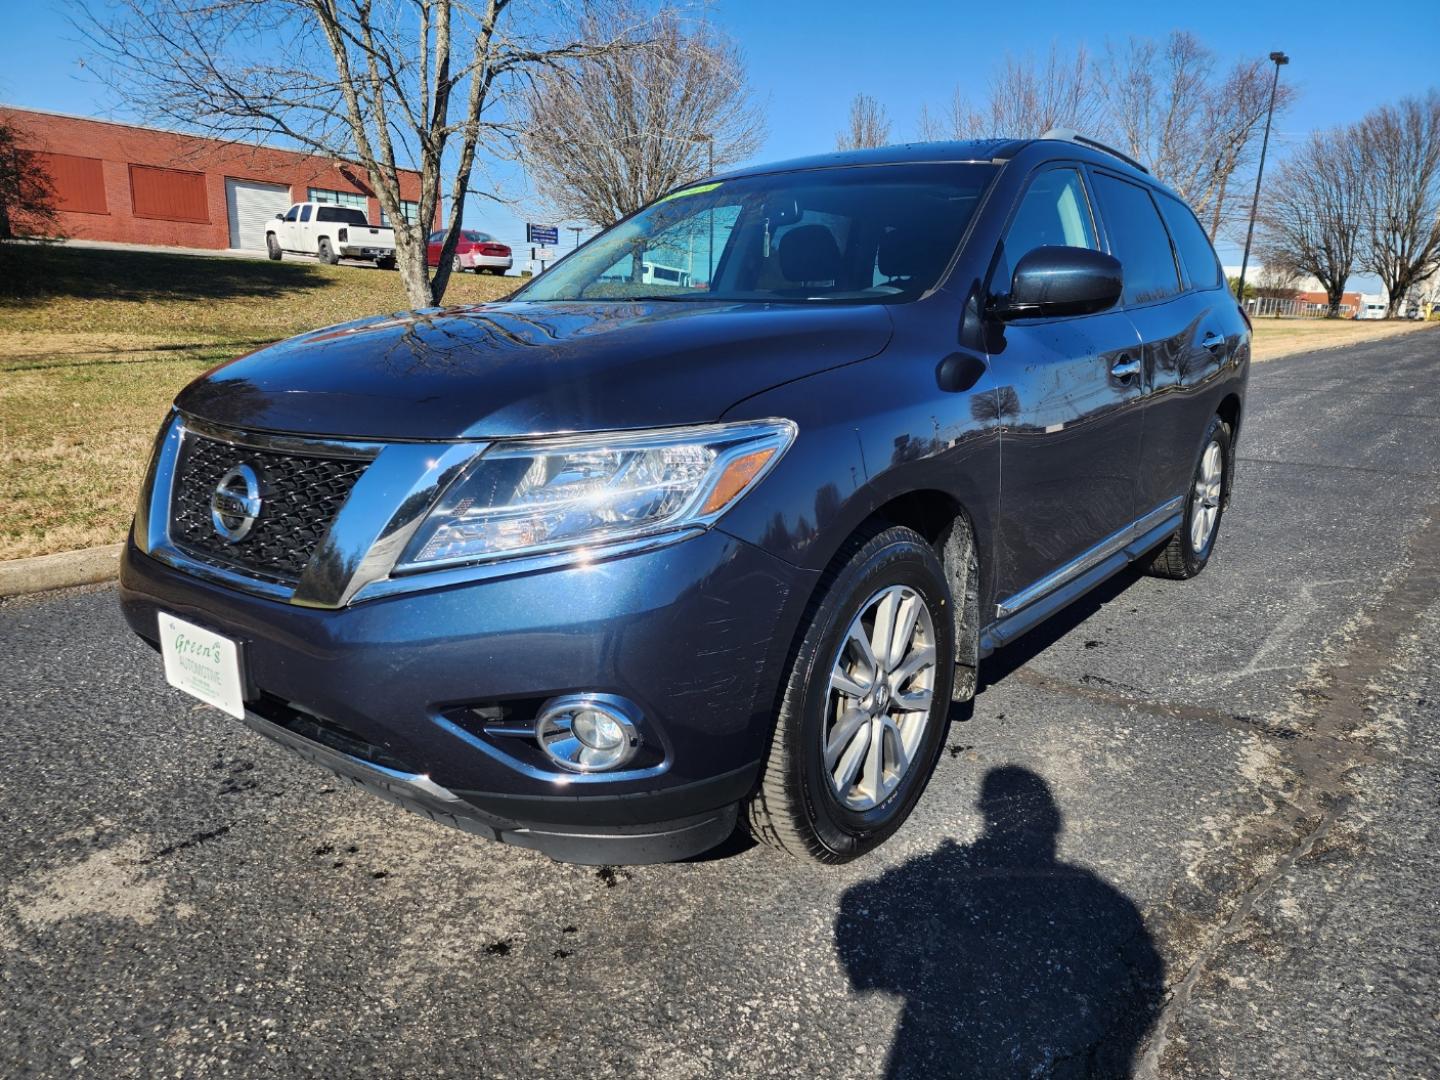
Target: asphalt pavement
[1186, 831]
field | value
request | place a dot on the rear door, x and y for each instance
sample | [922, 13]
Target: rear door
[1177, 330]
[433, 244]
[1185, 378]
[1070, 415]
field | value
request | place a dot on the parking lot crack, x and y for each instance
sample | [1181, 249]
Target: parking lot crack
[1148, 1067]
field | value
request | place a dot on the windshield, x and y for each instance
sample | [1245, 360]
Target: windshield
[876, 234]
[341, 213]
[477, 237]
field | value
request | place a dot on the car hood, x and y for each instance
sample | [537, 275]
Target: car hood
[523, 368]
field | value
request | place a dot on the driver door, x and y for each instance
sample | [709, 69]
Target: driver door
[1071, 416]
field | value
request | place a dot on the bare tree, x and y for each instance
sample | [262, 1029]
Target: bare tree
[1310, 216]
[380, 84]
[869, 125]
[1278, 279]
[1026, 98]
[956, 120]
[1167, 108]
[606, 134]
[27, 198]
[1400, 148]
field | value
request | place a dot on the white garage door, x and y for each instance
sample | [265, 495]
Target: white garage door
[251, 205]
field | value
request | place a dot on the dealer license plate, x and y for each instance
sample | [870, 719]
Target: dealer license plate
[203, 663]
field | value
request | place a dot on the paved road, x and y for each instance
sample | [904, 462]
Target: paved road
[1191, 827]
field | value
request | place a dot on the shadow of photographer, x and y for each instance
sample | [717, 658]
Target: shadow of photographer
[1010, 963]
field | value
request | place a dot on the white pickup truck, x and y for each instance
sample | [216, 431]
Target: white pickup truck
[330, 233]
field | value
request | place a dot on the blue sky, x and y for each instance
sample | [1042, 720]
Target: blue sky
[808, 58]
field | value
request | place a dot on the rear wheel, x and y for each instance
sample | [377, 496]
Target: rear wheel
[866, 702]
[456, 266]
[1187, 552]
[327, 253]
[272, 247]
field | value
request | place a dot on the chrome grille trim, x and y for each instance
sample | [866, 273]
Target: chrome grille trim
[365, 537]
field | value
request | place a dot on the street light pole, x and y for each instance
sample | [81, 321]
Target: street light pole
[576, 229]
[1280, 59]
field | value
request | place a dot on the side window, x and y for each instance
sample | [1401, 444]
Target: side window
[1138, 239]
[305, 212]
[436, 237]
[293, 213]
[1054, 212]
[1201, 265]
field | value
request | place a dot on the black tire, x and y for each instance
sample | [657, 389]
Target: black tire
[384, 264]
[272, 248]
[795, 807]
[326, 252]
[1180, 558]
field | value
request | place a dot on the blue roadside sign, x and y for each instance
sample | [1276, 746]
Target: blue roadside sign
[544, 235]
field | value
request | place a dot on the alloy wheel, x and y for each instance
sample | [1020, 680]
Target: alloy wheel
[1205, 499]
[880, 696]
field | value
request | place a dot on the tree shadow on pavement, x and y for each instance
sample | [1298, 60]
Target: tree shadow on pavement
[1010, 963]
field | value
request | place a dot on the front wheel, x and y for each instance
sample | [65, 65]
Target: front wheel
[272, 247]
[1187, 552]
[866, 701]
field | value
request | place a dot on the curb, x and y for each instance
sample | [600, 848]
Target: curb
[61, 571]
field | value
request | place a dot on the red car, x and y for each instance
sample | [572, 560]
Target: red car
[476, 251]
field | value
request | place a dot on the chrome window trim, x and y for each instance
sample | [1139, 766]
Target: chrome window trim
[1115, 542]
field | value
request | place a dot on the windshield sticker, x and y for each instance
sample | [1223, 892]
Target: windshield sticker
[689, 191]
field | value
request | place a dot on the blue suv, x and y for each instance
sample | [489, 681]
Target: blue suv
[714, 520]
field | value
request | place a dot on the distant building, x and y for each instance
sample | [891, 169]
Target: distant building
[1318, 299]
[1372, 306]
[140, 185]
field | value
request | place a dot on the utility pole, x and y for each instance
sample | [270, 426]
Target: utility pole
[1279, 59]
[576, 229]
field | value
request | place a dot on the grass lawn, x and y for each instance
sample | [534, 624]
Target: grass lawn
[1282, 337]
[94, 345]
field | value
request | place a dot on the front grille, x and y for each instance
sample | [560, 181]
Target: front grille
[300, 496]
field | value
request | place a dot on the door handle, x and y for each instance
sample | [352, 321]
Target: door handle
[1212, 341]
[1125, 368]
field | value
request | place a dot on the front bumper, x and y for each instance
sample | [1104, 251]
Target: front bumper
[392, 692]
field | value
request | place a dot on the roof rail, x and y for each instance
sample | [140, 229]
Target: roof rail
[1071, 135]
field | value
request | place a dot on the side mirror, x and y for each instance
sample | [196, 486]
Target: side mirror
[1051, 281]
[279, 217]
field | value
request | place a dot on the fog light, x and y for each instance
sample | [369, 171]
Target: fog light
[587, 732]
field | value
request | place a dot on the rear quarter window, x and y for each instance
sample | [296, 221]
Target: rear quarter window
[1196, 254]
[1138, 239]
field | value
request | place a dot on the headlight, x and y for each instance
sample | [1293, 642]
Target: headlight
[542, 495]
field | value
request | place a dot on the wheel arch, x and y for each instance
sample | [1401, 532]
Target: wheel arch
[948, 526]
[1229, 411]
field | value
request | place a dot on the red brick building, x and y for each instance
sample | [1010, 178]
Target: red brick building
[140, 185]
[1318, 299]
